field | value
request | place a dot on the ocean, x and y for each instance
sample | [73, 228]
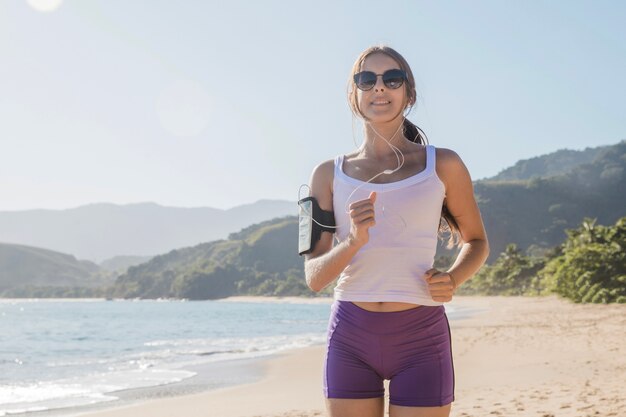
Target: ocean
[67, 353]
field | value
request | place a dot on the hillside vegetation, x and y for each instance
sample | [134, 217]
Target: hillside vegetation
[546, 236]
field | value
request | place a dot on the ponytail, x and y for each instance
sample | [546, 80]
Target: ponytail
[412, 132]
[446, 222]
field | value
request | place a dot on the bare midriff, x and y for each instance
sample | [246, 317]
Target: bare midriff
[385, 306]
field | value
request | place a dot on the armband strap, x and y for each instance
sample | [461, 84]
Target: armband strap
[309, 232]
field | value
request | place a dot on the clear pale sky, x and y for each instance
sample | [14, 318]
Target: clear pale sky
[218, 104]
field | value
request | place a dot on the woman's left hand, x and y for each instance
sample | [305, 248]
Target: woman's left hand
[440, 285]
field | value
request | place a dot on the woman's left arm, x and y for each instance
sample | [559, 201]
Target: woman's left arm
[462, 206]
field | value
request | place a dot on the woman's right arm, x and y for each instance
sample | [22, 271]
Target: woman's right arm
[325, 262]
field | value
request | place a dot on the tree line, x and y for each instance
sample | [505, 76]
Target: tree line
[588, 267]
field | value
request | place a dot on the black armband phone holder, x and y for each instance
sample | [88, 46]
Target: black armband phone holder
[309, 232]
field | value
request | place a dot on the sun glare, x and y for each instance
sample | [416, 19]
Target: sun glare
[44, 5]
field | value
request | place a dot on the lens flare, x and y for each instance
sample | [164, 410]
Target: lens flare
[44, 6]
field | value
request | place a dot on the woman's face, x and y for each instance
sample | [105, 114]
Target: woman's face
[381, 104]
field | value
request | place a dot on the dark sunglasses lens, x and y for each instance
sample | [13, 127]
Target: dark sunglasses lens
[365, 80]
[393, 78]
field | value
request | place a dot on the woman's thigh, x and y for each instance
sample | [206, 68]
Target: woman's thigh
[419, 364]
[400, 411]
[374, 407]
[365, 407]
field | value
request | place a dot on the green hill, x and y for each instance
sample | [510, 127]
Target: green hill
[122, 263]
[534, 213]
[259, 260]
[538, 211]
[262, 259]
[23, 268]
[555, 163]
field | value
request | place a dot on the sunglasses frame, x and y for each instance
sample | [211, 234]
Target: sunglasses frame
[385, 80]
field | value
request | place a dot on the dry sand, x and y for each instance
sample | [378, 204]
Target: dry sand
[542, 357]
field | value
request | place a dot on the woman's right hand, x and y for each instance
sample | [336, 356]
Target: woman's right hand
[362, 217]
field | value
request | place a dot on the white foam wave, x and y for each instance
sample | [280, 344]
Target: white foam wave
[141, 369]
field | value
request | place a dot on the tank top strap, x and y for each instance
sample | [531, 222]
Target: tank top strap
[338, 163]
[430, 158]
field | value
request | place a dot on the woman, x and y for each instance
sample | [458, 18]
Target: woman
[388, 321]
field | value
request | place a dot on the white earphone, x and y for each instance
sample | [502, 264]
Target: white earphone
[394, 148]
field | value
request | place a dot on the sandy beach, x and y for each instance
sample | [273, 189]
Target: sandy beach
[542, 357]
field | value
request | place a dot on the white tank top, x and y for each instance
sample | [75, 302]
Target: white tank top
[402, 244]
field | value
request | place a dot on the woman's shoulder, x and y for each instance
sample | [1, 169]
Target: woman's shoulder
[324, 172]
[449, 164]
[446, 156]
[325, 168]
[321, 183]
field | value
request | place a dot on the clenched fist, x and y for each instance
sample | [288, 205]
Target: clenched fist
[362, 217]
[440, 285]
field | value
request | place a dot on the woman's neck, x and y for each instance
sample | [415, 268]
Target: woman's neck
[375, 146]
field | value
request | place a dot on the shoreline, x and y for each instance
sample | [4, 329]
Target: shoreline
[249, 370]
[275, 299]
[226, 401]
[246, 370]
[519, 356]
[513, 356]
[241, 373]
[235, 298]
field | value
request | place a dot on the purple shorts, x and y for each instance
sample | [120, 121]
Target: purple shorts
[411, 348]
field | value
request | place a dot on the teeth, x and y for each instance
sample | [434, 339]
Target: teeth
[381, 102]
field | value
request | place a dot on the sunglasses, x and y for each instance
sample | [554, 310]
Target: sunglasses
[366, 80]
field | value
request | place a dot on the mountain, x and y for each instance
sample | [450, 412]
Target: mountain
[534, 213]
[261, 259]
[122, 263]
[28, 267]
[555, 163]
[101, 231]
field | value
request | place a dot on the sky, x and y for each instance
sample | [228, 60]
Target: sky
[219, 104]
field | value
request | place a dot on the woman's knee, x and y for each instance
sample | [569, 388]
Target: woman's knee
[350, 407]
[401, 411]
